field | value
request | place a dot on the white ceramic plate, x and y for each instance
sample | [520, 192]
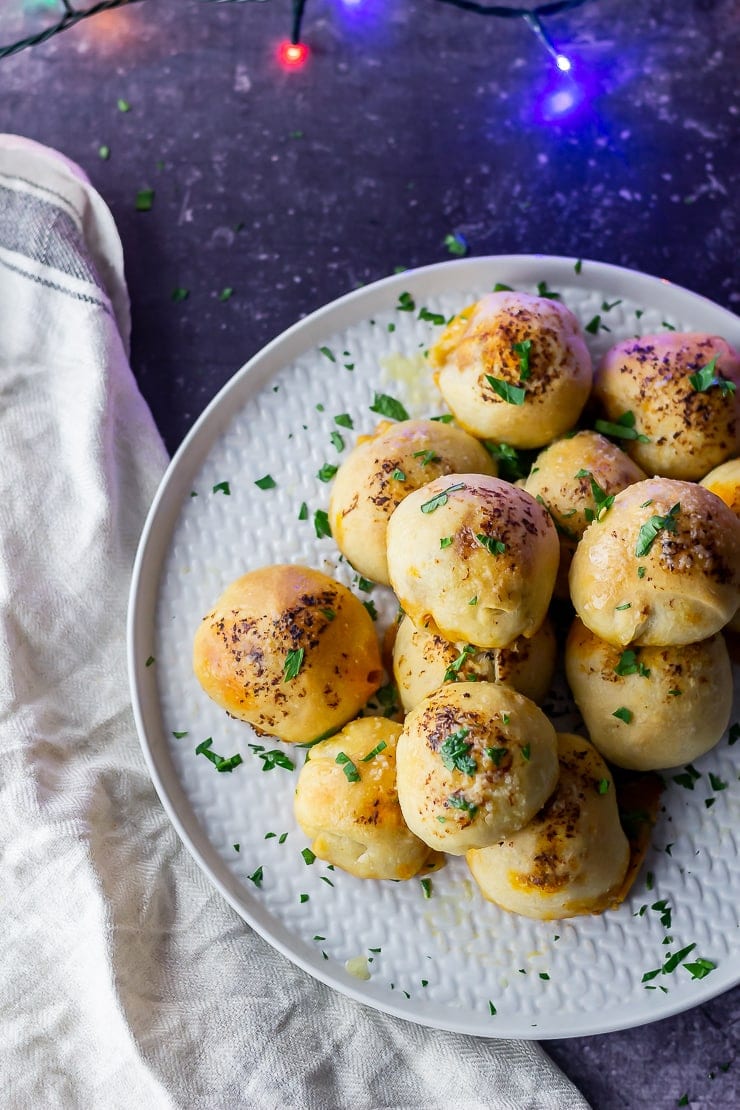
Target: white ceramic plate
[443, 961]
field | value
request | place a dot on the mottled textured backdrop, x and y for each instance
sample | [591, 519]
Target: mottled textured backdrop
[410, 121]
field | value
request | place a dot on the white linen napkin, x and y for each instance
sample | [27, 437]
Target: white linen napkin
[125, 979]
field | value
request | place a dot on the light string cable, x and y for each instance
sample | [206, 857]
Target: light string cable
[532, 17]
[70, 16]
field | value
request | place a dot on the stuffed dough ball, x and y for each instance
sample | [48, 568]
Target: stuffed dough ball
[514, 368]
[346, 803]
[661, 567]
[649, 708]
[572, 858]
[290, 651]
[381, 471]
[681, 390]
[474, 559]
[474, 762]
[423, 661]
[576, 479]
[724, 481]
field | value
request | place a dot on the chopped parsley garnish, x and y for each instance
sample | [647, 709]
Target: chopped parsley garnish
[344, 420]
[388, 406]
[512, 394]
[509, 461]
[337, 441]
[603, 786]
[602, 499]
[431, 317]
[236, 847]
[370, 606]
[578, 266]
[630, 664]
[144, 200]
[459, 801]
[544, 975]
[365, 584]
[427, 457]
[706, 378]
[494, 547]
[491, 1008]
[716, 782]
[543, 291]
[734, 734]
[321, 523]
[257, 877]
[649, 530]
[219, 762]
[293, 663]
[445, 541]
[700, 968]
[375, 751]
[607, 306]
[623, 714]
[308, 856]
[496, 755]
[330, 614]
[624, 605]
[456, 244]
[593, 325]
[303, 511]
[441, 498]
[406, 303]
[473, 600]
[327, 472]
[398, 475]
[226, 294]
[123, 105]
[526, 752]
[523, 350]
[282, 838]
[500, 287]
[179, 735]
[350, 770]
[445, 418]
[303, 898]
[622, 428]
[640, 572]
[688, 777]
[267, 482]
[328, 353]
[454, 668]
[149, 661]
[455, 753]
[426, 886]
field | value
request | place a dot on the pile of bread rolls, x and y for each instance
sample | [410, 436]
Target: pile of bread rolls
[636, 523]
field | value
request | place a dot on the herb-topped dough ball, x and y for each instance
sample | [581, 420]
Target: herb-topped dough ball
[347, 804]
[661, 567]
[290, 651]
[572, 858]
[381, 471]
[652, 707]
[475, 761]
[474, 559]
[724, 481]
[576, 479]
[681, 390]
[423, 661]
[514, 368]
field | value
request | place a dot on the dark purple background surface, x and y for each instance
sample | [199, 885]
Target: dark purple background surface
[410, 121]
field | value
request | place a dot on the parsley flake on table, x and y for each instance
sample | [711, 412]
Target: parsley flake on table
[649, 530]
[441, 498]
[226, 293]
[622, 428]
[266, 482]
[455, 753]
[222, 487]
[321, 523]
[293, 663]
[512, 394]
[179, 295]
[144, 200]
[104, 152]
[456, 244]
[386, 405]
[123, 105]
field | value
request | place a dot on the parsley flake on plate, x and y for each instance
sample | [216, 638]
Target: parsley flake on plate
[321, 523]
[386, 405]
[266, 482]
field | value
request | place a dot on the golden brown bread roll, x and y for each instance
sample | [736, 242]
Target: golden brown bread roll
[724, 480]
[575, 478]
[652, 707]
[686, 416]
[381, 471]
[288, 650]
[514, 368]
[661, 567]
[423, 661]
[572, 857]
[475, 761]
[347, 804]
[473, 558]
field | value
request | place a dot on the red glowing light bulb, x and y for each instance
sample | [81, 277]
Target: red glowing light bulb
[292, 54]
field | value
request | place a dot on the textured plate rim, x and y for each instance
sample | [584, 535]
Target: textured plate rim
[157, 532]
